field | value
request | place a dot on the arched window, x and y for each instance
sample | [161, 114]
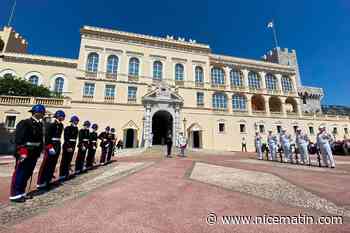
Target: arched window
[254, 80]
[157, 70]
[134, 65]
[287, 85]
[199, 76]
[271, 82]
[112, 64]
[92, 63]
[217, 76]
[179, 72]
[236, 78]
[239, 103]
[34, 80]
[2, 44]
[59, 83]
[219, 101]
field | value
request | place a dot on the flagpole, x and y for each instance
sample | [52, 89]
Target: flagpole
[274, 33]
[12, 13]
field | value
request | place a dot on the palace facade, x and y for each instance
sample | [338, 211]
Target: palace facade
[147, 86]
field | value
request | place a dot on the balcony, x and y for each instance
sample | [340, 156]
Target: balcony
[90, 74]
[259, 112]
[218, 86]
[199, 84]
[131, 100]
[132, 78]
[88, 99]
[180, 83]
[274, 92]
[238, 88]
[111, 76]
[257, 90]
[290, 93]
[220, 109]
[28, 101]
[109, 99]
[237, 112]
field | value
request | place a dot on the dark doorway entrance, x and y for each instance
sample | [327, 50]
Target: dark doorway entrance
[196, 140]
[129, 138]
[162, 124]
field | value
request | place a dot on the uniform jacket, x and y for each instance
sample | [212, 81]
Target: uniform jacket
[70, 136]
[84, 137]
[103, 138]
[29, 131]
[53, 130]
[323, 138]
[301, 138]
[272, 140]
[93, 139]
[284, 139]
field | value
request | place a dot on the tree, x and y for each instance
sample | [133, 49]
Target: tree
[10, 85]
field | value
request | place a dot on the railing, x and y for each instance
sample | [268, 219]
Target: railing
[109, 99]
[257, 90]
[132, 78]
[199, 84]
[131, 100]
[272, 113]
[274, 92]
[290, 93]
[292, 114]
[238, 88]
[27, 100]
[90, 74]
[88, 98]
[239, 112]
[179, 83]
[200, 105]
[220, 109]
[218, 86]
[111, 76]
[259, 112]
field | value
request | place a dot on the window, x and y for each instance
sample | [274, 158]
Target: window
[200, 99]
[34, 80]
[134, 65]
[219, 101]
[59, 83]
[179, 72]
[271, 82]
[157, 70]
[304, 99]
[242, 128]
[10, 122]
[239, 103]
[110, 91]
[112, 65]
[261, 128]
[132, 93]
[236, 78]
[92, 63]
[311, 130]
[89, 89]
[295, 127]
[253, 80]
[199, 74]
[279, 128]
[335, 130]
[287, 85]
[217, 76]
[346, 131]
[221, 127]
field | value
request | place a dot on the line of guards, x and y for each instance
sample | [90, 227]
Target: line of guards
[302, 145]
[32, 139]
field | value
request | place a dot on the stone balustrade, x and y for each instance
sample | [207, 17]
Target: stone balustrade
[27, 100]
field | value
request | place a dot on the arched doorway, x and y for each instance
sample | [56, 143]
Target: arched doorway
[275, 104]
[162, 125]
[195, 136]
[130, 138]
[258, 103]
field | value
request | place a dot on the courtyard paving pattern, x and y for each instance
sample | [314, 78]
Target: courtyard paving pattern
[144, 192]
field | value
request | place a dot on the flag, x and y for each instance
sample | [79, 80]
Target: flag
[270, 24]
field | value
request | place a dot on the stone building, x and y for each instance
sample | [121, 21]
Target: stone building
[147, 87]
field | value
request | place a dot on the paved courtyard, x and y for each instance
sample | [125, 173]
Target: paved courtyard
[144, 192]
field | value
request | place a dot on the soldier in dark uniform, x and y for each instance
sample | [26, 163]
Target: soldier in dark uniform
[104, 145]
[29, 145]
[70, 141]
[111, 141]
[169, 144]
[90, 159]
[52, 150]
[83, 145]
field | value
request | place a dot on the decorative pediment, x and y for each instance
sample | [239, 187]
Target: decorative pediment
[130, 125]
[195, 127]
[163, 92]
[12, 112]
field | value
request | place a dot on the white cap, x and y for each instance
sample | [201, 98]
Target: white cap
[322, 127]
[298, 129]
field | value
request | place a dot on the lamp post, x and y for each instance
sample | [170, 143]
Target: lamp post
[143, 144]
[184, 120]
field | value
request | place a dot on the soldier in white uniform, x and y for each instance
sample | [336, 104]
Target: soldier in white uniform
[302, 141]
[272, 142]
[285, 143]
[323, 143]
[258, 145]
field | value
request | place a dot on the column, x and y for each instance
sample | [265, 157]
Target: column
[229, 102]
[147, 126]
[283, 106]
[262, 76]
[227, 76]
[267, 105]
[249, 104]
[279, 82]
[245, 78]
[177, 124]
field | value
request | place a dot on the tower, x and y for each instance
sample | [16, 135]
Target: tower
[12, 42]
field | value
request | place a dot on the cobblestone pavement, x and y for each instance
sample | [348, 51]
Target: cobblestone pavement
[149, 193]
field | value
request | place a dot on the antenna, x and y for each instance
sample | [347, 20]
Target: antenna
[12, 13]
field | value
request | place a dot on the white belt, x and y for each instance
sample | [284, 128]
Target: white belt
[33, 144]
[55, 139]
[93, 141]
[72, 140]
[85, 140]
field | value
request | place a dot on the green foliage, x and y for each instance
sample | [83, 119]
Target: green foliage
[10, 85]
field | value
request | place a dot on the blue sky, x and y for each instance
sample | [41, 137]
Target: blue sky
[318, 30]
